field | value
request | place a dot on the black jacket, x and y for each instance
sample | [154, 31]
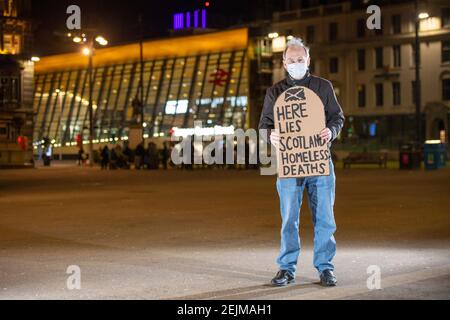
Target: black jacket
[322, 87]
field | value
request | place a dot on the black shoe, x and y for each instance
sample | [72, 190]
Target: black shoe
[327, 278]
[283, 278]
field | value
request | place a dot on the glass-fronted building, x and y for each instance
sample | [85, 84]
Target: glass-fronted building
[16, 84]
[196, 77]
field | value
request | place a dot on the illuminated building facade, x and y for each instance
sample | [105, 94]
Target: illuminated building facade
[373, 71]
[16, 84]
[186, 78]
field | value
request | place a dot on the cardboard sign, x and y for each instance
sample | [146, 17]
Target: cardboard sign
[299, 117]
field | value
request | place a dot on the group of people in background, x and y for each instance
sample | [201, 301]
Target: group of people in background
[118, 157]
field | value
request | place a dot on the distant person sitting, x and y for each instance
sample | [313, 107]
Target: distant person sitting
[113, 159]
[153, 159]
[139, 156]
[105, 157]
[165, 154]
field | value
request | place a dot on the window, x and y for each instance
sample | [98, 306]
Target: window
[9, 90]
[396, 93]
[334, 65]
[361, 96]
[445, 51]
[378, 58]
[396, 24]
[332, 31]
[397, 56]
[446, 89]
[361, 59]
[361, 28]
[10, 44]
[445, 18]
[379, 94]
[310, 34]
[3, 131]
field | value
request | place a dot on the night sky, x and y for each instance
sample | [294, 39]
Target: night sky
[118, 20]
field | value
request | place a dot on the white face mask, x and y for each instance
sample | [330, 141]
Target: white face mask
[297, 70]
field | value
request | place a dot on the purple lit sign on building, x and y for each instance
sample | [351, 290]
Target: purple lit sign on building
[184, 20]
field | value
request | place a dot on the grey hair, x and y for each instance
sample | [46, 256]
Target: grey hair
[296, 42]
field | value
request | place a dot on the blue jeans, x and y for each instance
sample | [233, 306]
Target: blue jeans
[321, 193]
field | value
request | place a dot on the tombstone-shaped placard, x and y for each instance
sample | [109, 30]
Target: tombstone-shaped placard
[299, 117]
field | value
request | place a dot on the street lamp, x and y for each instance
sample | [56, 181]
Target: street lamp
[86, 51]
[90, 40]
[101, 40]
[419, 16]
[423, 15]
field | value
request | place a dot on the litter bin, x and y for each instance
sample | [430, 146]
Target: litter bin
[434, 155]
[409, 157]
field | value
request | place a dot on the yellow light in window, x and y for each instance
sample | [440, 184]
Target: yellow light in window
[430, 23]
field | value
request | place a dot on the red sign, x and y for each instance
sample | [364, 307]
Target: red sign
[220, 77]
[23, 142]
[78, 140]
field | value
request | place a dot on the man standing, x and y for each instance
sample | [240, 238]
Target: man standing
[321, 189]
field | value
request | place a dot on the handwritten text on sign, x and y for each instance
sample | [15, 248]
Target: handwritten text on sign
[299, 117]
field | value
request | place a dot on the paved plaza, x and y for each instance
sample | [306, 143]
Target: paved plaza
[214, 234]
